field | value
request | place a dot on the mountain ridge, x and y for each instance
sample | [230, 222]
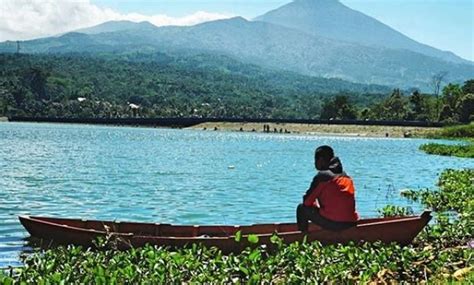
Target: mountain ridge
[263, 43]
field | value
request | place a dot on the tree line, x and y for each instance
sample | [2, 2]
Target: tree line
[457, 105]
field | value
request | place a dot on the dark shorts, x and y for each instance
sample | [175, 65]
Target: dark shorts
[305, 214]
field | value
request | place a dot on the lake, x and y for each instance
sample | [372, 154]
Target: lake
[189, 176]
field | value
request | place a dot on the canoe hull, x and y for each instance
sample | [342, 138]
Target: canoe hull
[401, 230]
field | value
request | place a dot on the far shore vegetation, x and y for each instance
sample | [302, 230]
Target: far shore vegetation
[159, 85]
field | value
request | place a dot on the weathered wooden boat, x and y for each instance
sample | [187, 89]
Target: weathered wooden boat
[401, 230]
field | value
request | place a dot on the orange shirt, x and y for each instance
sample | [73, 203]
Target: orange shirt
[335, 195]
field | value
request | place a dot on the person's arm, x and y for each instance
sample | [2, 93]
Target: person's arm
[312, 193]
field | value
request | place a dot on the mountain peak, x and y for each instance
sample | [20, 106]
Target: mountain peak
[332, 19]
[116, 26]
[237, 19]
[317, 2]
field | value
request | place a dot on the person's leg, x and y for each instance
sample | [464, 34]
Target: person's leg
[302, 218]
[328, 224]
[305, 214]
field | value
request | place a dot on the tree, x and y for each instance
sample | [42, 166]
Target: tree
[338, 108]
[436, 81]
[418, 106]
[37, 78]
[465, 108]
[446, 114]
[468, 87]
[365, 113]
[452, 93]
[396, 106]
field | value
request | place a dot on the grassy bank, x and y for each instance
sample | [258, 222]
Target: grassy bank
[463, 132]
[441, 253]
[454, 132]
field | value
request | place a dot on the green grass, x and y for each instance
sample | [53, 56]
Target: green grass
[439, 254]
[459, 131]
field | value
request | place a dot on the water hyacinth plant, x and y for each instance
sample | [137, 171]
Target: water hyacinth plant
[441, 253]
[462, 132]
[449, 150]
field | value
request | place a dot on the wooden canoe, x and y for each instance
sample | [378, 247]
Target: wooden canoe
[401, 230]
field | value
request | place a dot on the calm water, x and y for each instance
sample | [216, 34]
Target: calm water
[186, 176]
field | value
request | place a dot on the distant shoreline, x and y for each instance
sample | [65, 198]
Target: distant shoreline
[193, 121]
[304, 127]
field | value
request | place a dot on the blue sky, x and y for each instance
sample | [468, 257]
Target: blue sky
[444, 24]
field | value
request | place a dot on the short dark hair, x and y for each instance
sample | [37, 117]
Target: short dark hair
[326, 152]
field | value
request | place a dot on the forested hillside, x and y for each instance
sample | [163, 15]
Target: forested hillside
[203, 85]
[76, 85]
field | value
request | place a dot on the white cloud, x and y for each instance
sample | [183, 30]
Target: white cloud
[28, 19]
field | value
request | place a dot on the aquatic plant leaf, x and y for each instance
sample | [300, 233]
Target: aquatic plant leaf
[253, 239]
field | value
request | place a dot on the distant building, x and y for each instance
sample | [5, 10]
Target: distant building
[135, 108]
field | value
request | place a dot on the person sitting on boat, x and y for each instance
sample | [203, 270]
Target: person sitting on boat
[329, 201]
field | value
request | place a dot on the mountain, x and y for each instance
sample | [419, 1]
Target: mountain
[262, 43]
[332, 19]
[116, 26]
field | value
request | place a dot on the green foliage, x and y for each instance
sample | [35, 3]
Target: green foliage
[396, 106]
[449, 150]
[458, 103]
[438, 255]
[457, 191]
[296, 263]
[420, 108]
[339, 108]
[451, 94]
[200, 85]
[465, 108]
[455, 132]
[238, 236]
[194, 85]
[395, 211]
[416, 107]
[468, 87]
[253, 239]
[5, 279]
